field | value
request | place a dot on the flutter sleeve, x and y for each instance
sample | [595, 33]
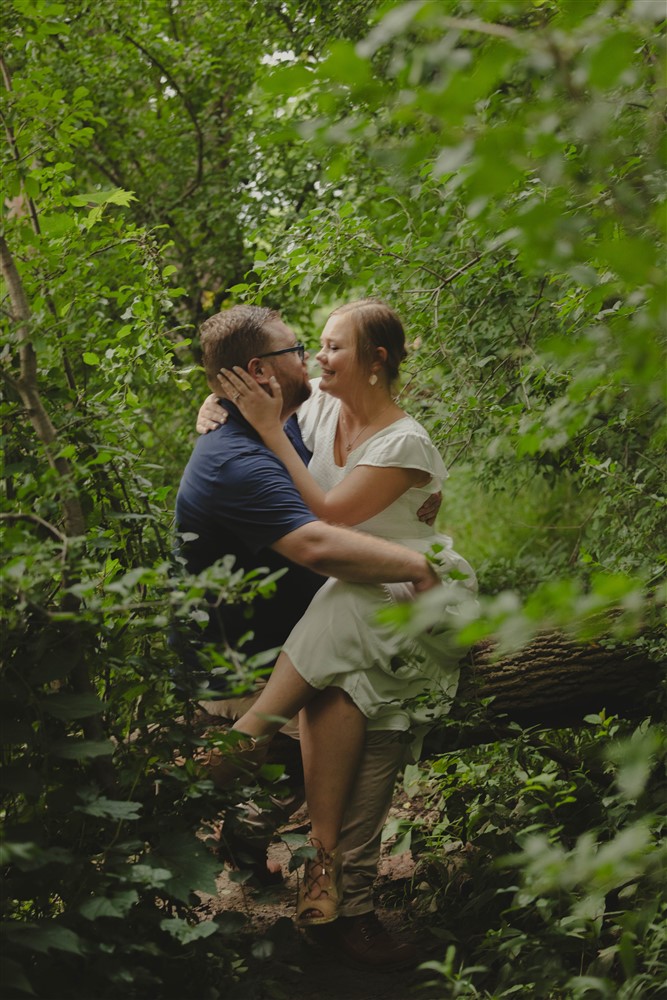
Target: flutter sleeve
[406, 448]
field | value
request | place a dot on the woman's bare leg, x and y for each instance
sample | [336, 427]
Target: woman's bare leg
[284, 696]
[332, 731]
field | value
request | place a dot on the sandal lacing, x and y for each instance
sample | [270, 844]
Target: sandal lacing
[320, 890]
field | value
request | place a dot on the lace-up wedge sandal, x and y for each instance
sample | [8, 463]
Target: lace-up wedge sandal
[320, 890]
[242, 760]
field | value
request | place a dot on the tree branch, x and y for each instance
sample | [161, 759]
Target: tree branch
[481, 27]
[444, 279]
[13, 145]
[73, 516]
[189, 107]
[34, 219]
[27, 516]
[26, 386]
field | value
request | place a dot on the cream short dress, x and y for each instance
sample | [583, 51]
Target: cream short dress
[397, 681]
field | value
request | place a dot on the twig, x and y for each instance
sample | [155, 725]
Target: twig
[11, 138]
[187, 104]
[538, 301]
[481, 27]
[28, 516]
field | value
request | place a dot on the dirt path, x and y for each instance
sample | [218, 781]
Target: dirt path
[299, 971]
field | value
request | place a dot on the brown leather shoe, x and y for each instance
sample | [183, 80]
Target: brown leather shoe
[365, 942]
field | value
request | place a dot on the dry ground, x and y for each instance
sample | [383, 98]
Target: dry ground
[297, 970]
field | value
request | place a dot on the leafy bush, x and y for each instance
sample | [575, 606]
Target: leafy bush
[561, 890]
[494, 170]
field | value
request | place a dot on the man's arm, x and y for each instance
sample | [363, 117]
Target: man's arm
[354, 556]
[211, 415]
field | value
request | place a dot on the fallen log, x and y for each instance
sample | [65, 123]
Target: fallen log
[553, 682]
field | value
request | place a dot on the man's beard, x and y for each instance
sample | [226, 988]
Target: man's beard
[296, 392]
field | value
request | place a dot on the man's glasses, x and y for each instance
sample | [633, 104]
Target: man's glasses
[300, 348]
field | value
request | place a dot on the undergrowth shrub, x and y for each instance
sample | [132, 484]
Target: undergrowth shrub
[559, 887]
[103, 804]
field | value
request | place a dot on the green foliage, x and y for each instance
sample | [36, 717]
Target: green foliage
[503, 189]
[101, 855]
[560, 888]
[495, 171]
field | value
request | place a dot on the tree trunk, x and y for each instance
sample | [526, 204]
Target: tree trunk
[73, 517]
[553, 681]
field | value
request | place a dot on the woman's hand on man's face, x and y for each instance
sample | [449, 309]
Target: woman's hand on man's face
[211, 415]
[262, 409]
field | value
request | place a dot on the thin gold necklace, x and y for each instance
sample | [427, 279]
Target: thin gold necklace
[348, 444]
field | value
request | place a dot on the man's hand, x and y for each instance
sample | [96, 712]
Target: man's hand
[429, 509]
[429, 579]
[211, 415]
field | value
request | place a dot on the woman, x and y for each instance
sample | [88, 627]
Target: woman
[372, 466]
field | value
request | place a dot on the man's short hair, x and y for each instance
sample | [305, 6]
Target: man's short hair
[233, 337]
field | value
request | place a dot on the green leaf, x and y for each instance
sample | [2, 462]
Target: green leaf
[240, 877]
[293, 840]
[44, 937]
[114, 196]
[13, 977]
[611, 58]
[35, 857]
[263, 949]
[191, 864]
[118, 905]
[18, 852]
[56, 224]
[230, 922]
[91, 359]
[83, 749]
[632, 258]
[94, 216]
[402, 843]
[186, 933]
[100, 806]
[72, 706]
[148, 875]
[288, 80]
[344, 65]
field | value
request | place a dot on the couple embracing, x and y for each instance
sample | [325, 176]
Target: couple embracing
[326, 479]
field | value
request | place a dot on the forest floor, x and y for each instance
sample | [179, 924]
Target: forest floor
[300, 971]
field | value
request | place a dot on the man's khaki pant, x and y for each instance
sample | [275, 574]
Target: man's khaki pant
[386, 752]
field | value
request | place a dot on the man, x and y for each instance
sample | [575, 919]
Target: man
[238, 499]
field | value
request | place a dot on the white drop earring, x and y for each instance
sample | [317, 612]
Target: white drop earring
[373, 379]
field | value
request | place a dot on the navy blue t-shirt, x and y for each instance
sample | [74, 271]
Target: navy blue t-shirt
[238, 498]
